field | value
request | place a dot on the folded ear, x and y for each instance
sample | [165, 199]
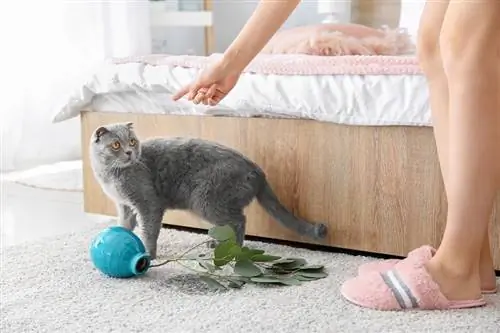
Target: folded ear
[100, 132]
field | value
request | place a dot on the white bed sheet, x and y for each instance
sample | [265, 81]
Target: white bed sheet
[369, 100]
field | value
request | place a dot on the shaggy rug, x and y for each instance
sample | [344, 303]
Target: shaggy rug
[51, 286]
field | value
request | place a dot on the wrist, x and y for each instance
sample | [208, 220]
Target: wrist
[233, 60]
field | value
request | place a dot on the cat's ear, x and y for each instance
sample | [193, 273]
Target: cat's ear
[130, 125]
[100, 132]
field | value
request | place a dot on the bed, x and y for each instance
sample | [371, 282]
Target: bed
[344, 140]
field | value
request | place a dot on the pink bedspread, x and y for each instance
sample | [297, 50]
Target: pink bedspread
[288, 64]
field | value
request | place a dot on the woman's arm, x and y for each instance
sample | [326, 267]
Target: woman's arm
[265, 21]
[216, 81]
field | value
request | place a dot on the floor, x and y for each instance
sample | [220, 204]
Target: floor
[50, 213]
[28, 214]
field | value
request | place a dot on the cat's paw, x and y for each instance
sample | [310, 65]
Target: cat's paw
[212, 244]
[151, 252]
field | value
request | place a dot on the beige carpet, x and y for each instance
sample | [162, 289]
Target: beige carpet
[50, 286]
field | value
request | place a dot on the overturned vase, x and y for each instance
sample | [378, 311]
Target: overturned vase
[119, 253]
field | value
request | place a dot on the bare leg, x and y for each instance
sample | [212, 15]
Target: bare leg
[430, 59]
[486, 267]
[469, 48]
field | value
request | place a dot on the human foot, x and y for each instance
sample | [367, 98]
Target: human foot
[411, 285]
[454, 285]
[487, 273]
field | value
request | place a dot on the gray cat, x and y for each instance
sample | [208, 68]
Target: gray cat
[210, 180]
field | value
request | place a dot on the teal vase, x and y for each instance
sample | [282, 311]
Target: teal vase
[119, 253]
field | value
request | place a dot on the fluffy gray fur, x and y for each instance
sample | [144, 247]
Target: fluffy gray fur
[212, 181]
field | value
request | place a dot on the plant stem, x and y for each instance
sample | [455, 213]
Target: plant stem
[194, 247]
[182, 255]
[172, 260]
[225, 277]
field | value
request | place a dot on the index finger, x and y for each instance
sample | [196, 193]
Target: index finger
[183, 91]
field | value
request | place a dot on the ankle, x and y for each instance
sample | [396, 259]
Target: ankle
[455, 269]
[488, 277]
[455, 284]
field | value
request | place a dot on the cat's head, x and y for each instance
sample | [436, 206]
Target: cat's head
[115, 144]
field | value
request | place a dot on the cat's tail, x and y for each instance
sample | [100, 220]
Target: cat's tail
[268, 200]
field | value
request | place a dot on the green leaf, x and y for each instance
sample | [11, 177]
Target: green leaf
[242, 279]
[294, 264]
[265, 279]
[318, 275]
[276, 279]
[252, 251]
[289, 281]
[223, 253]
[208, 266]
[246, 268]
[283, 261]
[235, 283]
[264, 258]
[222, 233]
[235, 250]
[312, 268]
[247, 253]
[303, 278]
[212, 283]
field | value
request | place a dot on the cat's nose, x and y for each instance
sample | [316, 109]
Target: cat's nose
[128, 152]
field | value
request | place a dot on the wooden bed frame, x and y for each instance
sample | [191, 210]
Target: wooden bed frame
[378, 188]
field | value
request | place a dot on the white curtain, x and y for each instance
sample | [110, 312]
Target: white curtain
[48, 47]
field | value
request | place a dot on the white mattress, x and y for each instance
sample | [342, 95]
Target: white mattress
[370, 100]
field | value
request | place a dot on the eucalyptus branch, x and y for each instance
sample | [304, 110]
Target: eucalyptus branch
[248, 265]
[207, 273]
[181, 256]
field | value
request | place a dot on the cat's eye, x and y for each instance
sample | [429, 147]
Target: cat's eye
[116, 145]
[133, 142]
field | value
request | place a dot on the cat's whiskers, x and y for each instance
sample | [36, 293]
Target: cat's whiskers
[114, 168]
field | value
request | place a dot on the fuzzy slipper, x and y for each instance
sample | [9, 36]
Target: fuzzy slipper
[424, 252]
[385, 265]
[406, 286]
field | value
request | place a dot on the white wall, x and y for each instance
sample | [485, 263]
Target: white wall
[229, 18]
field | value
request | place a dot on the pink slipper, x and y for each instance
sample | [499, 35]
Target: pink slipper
[425, 252]
[387, 264]
[406, 286]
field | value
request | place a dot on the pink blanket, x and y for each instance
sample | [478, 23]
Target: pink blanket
[291, 64]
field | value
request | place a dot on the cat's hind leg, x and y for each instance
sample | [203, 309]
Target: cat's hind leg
[126, 217]
[228, 188]
[220, 217]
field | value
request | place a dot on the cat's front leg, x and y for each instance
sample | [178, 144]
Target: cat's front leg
[150, 225]
[126, 217]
